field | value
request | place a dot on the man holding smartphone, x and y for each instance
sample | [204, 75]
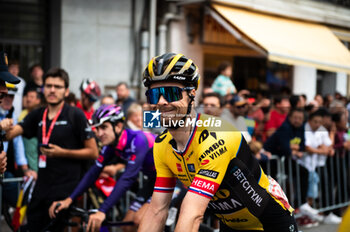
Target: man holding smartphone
[66, 139]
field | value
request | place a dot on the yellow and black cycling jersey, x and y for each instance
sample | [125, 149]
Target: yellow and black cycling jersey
[218, 164]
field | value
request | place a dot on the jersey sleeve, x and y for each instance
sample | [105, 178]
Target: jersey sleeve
[81, 125]
[165, 181]
[30, 123]
[214, 159]
[91, 176]
[139, 146]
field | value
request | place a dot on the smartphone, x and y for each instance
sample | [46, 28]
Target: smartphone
[44, 145]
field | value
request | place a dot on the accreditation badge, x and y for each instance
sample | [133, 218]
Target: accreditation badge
[42, 161]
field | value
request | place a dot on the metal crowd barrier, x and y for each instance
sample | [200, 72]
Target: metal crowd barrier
[333, 185]
[8, 180]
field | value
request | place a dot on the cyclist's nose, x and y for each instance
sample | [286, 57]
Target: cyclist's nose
[162, 101]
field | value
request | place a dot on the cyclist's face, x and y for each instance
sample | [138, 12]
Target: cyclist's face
[55, 90]
[105, 133]
[172, 110]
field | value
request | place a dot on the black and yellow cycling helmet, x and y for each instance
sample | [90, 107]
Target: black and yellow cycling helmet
[171, 67]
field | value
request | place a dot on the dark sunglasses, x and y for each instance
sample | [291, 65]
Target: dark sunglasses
[170, 94]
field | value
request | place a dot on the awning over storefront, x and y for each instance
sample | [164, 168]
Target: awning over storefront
[286, 40]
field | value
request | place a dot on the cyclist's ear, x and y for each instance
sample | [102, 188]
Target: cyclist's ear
[118, 127]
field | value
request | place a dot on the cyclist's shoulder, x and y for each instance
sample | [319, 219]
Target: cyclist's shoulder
[215, 129]
[161, 142]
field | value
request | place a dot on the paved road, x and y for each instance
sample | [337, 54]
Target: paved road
[320, 228]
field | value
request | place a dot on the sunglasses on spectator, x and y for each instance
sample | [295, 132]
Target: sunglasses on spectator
[170, 94]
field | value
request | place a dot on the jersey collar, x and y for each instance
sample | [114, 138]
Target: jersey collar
[193, 132]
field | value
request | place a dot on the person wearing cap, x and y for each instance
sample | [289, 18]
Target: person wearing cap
[17, 164]
[5, 76]
[209, 156]
[14, 68]
[238, 107]
[90, 93]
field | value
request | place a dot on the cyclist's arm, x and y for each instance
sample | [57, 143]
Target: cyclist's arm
[91, 176]
[155, 217]
[192, 212]
[133, 167]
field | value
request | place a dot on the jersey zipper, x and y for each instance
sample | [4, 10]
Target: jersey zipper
[187, 171]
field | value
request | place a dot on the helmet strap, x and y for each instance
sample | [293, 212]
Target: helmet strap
[117, 135]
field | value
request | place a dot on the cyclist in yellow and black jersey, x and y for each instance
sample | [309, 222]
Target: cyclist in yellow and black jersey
[210, 157]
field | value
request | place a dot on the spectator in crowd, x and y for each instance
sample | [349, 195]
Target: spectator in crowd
[90, 93]
[32, 100]
[123, 96]
[318, 146]
[249, 120]
[259, 152]
[277, 115]
[212, 104]
[66, 142]
[17, 102]
[5, 76]
[328, 99]
[223, 84]
[238, 108]
[341, 140]
[36, 79]
[71, 99]
[107, 100]
[134, 117]
[297, 101]
[319, 100]
[17, 164]
[289, 141]
[261, 114]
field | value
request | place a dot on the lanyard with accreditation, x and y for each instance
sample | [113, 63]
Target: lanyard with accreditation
[46, 137]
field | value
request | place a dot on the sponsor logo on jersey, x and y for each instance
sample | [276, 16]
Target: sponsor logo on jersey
[189, 156]
[100, 159]
[229, 204]
[214, 151]
[235, 220]
[161, 137]
[251, 192]
[132, 157]
[208, 173]
[204, 186]
[205, 162]
[213, 134]
[179, 168]
[203, 136]
[191, 168]
[221, 194]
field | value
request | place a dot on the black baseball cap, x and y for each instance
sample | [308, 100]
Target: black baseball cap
[4, 72]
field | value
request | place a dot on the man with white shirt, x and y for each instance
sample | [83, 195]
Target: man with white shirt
[318, 146]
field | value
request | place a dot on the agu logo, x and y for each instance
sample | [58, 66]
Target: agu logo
[151, 119]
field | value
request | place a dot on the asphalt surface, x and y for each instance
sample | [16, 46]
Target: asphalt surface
[320, 228]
